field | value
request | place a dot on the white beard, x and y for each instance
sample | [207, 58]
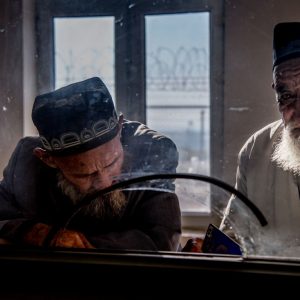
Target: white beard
[105, 207]
[287, 152]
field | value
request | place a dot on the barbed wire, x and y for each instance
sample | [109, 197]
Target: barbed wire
[183, 69]
[180, 70]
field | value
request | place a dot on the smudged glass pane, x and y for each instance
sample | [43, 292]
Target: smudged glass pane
[84, 47]
[177, 89]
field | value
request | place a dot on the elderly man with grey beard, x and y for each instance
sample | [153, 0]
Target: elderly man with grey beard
[268, 169]
[84, 147]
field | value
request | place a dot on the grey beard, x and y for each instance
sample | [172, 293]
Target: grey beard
[287, 152]
[106, 206]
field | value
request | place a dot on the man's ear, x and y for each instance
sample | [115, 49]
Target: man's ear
[45, 157]
[273, 85]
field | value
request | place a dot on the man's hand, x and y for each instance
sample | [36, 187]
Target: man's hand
[70, 239]
[64, 238]
[5, 242]
[37, 234]
[193, 245]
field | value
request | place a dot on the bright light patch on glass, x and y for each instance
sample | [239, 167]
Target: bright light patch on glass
[178, 88]
[84, 47]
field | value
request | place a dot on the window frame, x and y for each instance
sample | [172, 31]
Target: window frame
[130, 62]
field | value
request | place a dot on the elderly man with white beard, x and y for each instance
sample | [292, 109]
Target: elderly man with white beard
[268, 171]
[84, 147]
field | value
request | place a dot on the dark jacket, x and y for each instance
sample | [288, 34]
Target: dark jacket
[150, 221]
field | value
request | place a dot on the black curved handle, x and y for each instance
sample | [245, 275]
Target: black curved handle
[199, 177]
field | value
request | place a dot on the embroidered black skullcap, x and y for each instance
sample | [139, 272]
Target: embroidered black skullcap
[286, 42]
[75, 118]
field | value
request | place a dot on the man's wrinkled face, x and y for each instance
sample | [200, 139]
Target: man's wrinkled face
[286, 83]
[95, 169]
[105, 206]
[82, 174]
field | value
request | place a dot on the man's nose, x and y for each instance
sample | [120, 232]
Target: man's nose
[288, 114]
[102, 181]
[292, 112]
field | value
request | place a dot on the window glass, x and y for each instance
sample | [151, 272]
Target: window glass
[177, 89]
[177, 80]
[84, 47]
[199, 72]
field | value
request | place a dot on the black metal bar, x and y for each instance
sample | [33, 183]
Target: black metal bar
[199, 177]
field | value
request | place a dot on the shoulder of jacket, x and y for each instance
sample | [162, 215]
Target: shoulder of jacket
[262, 137]
[29, 142]
[266, 132]
[270, 129]
[136, 129]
